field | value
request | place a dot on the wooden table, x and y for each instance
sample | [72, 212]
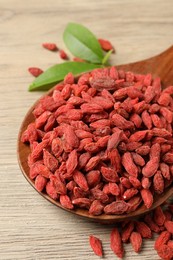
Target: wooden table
[30, 227]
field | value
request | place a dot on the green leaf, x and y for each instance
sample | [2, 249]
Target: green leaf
[106, 57]
[56, 73]
[82, 43]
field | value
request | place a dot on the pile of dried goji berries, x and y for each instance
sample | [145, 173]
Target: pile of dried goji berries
[159, 221]
[103, 142]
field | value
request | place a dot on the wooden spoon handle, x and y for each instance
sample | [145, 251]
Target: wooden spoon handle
[159, 66]
[164, 66]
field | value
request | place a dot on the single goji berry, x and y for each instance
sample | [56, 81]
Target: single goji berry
[35, 71]
[50, 46]
[63, 55]
[105, 45]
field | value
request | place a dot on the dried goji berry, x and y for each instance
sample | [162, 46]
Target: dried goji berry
[96, 245]
[50, 46]
[116, 243]
[165, 252]
[63, 55]
[126, 231]
[35, 71]
[105, 45]
[136, 241]
[143, 229]
[162, 239]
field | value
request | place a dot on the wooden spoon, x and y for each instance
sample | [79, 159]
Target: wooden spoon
[159, 66]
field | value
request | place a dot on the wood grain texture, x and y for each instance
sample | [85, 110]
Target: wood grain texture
[30, 227]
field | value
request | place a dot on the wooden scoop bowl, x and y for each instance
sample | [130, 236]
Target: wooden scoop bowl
[159, 66]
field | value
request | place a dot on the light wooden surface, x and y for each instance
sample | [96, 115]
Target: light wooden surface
[30, 227]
